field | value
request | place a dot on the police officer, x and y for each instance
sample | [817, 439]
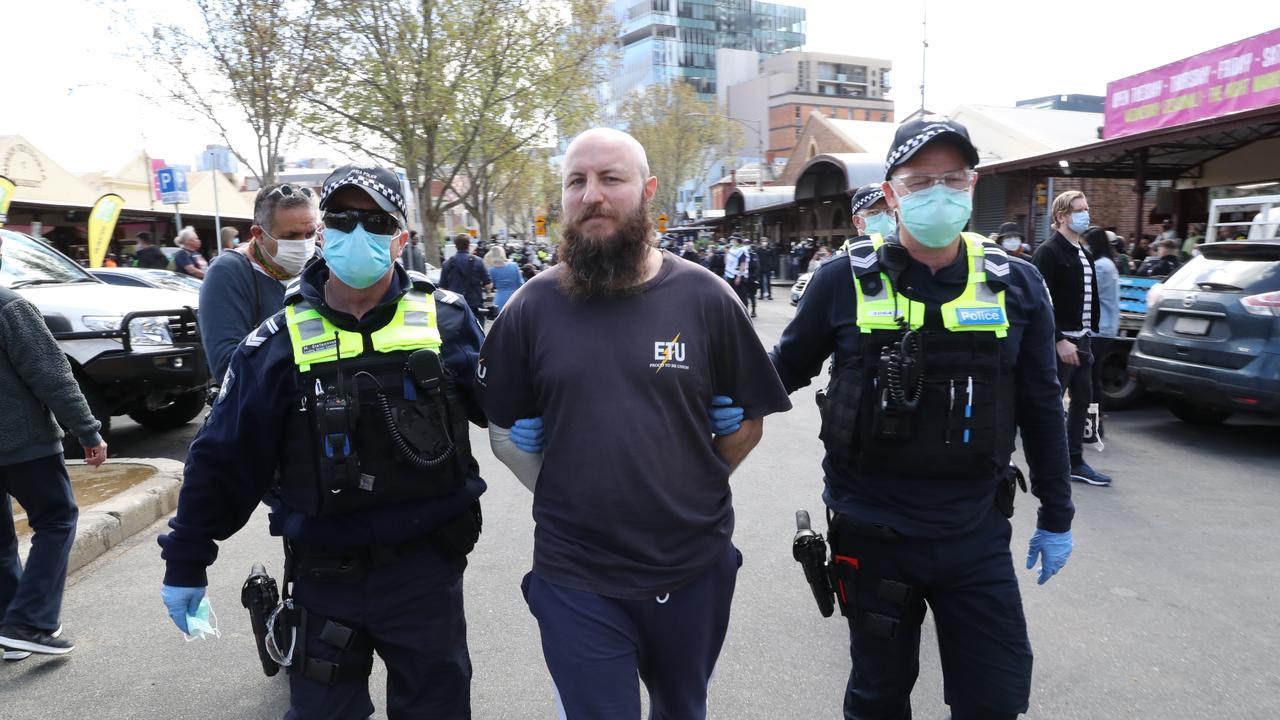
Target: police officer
[941, 342]
[348, 411]
[871, 213]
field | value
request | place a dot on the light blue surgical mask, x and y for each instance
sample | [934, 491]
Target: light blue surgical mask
[359, 258]
[1079, 221]
[935, 216]
[884, 223]
[204, 624]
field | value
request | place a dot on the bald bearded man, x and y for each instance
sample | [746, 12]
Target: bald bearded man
[620, 349]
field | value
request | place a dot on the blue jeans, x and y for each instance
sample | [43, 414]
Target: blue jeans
[598, 648]
[33, 597]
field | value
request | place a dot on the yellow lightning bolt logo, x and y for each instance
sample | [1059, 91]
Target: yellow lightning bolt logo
[667, 355]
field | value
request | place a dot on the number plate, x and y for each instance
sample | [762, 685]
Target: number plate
[1192, 325]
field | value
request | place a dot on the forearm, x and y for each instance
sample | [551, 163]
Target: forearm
[733, 449]
[524, 465]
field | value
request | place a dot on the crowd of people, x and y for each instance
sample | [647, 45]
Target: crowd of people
[347, 382]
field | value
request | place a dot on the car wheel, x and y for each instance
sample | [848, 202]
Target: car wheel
[181, 411]
[1120, 390]
[1189, 412]
[71, 448]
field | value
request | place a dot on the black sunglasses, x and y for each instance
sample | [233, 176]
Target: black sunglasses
[375, 221]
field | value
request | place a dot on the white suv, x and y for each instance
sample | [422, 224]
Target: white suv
[134, 351]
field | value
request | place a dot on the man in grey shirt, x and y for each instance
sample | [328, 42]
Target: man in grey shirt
[37, 386]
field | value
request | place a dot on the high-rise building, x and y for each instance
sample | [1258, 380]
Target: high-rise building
[790, 86]
[665, 40]
[662, 41]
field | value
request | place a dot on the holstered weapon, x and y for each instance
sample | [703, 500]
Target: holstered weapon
[810, 550]
[260, 596]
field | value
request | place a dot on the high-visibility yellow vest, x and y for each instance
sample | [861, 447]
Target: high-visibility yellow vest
[316, 340]
[978, 309]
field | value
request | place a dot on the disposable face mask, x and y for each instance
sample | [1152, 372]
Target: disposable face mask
[1011, 243]
[359, 258]
[292, 255]
[884, 223]
[934, 217]
[1079, 221]
[204, 624]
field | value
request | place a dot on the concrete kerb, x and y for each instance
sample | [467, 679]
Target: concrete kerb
[110, 522]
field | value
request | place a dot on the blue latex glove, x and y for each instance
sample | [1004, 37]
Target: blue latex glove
[527, 435]
[1053, 550]
[725, 418]
[181, 602]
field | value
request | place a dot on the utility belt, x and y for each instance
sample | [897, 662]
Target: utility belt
[351, 563]
[836, 583]
[281, 626]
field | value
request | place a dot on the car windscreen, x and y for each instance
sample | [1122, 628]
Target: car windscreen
[28, 261]
[1203, 273]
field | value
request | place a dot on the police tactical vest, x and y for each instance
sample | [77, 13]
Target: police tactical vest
[377, 420]
[962, 417]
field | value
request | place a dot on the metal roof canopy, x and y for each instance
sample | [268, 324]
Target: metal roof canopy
[1163, 154]
[835, 174]
[750, 200]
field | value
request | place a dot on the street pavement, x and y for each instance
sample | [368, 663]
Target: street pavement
[1167, 608]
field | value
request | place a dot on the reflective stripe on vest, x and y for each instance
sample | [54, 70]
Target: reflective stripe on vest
[315, 340]
[978, 309]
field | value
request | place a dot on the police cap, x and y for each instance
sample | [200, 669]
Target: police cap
[915, 134]
[866, 196]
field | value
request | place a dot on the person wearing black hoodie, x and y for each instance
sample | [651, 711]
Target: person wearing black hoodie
[1067, 268]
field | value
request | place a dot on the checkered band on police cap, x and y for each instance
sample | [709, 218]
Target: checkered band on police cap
[913, 135]
[866, 196]
[380, 183]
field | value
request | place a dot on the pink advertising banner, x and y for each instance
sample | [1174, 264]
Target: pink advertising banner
[1240, 76]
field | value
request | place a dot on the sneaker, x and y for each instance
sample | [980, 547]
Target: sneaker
[20, 642]
[1084, 473]
[14, 655]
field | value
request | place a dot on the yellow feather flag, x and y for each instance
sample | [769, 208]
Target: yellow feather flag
[102, 224]
[6, 194]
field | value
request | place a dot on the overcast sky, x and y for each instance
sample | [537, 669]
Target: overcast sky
[71, 91]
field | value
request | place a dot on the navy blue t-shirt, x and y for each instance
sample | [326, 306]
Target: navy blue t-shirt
[632, 500]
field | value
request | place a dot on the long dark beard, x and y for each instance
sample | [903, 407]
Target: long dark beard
[606, 268]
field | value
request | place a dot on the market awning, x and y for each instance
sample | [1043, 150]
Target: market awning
[1164, 154]
[749, 200]
[832, 175]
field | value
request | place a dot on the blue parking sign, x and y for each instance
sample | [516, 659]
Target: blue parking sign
[173, 186]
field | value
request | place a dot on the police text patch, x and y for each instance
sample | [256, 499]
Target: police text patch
[980, 316]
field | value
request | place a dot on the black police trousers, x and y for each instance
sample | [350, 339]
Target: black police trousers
[410, 611]
[969, 584]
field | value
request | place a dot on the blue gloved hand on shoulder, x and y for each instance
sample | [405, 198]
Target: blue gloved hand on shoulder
[1053, 550]
[527, 435]
[725, 418]
[181, 602]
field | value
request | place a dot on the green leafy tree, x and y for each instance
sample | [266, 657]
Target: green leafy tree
[534, 190]
[236, 63]
[681, 134]
[451, 89]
